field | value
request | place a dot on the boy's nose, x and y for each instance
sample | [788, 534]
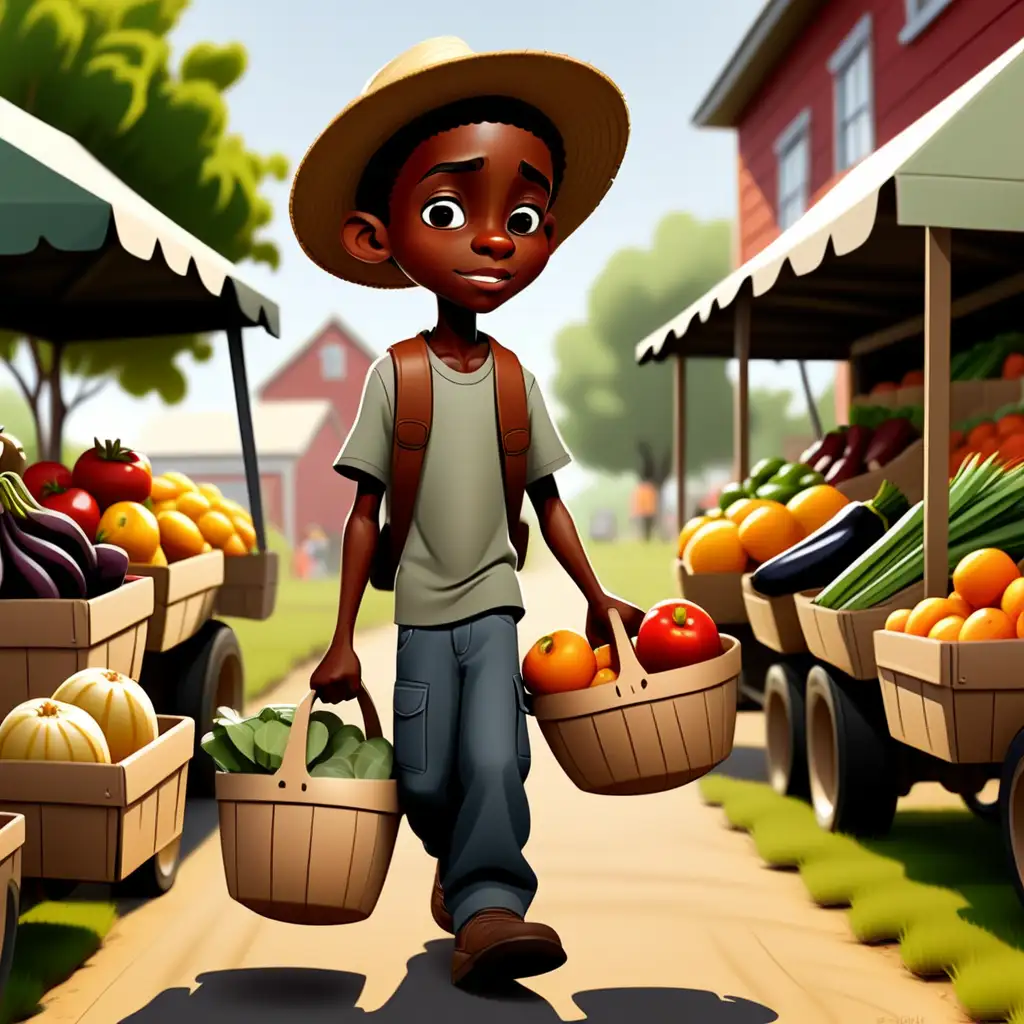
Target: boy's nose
[493, 244]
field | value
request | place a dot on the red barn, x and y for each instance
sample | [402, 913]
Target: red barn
[816, 85]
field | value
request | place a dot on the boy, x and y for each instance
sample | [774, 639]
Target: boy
[448, 173]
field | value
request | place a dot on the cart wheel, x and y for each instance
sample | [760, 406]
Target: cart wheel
[785, 732]
[12, 911]
[1011, 804]
[211, 677]
[986, 810]
[852, 779]
[757, 660]
[43, 890]
[156, 876]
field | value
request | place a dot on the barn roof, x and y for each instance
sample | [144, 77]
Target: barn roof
[283, 429]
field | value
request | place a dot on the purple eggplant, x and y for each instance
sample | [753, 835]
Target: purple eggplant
[111, 569]
[24, 577]
[52, 526]
[830, 448]
[890, 440]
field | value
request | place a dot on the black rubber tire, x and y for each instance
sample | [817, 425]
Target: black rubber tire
[155, 877]
[210, 675]
[1011, 807]
[756, 660]
[12, 909]
[785, 723]
[850, 765]
[986, 811]
[43, 890]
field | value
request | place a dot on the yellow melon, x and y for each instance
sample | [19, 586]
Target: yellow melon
[44, 729]
[121, 707]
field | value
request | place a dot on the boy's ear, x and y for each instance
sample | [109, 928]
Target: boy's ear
[365, 238]
[550, 228]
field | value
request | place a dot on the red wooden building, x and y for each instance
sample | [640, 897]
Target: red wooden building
[301, 416]
[816, 85]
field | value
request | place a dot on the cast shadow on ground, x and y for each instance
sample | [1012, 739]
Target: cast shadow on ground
[271, 995]
[744, 763]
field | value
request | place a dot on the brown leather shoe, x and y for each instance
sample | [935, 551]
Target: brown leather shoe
[438, 911]
[497, 946]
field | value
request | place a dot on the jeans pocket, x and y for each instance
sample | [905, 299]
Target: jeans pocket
[410, 706]
[522, 731]
[405, 634]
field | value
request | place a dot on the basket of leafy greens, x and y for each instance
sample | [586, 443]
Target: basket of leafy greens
[308, 811]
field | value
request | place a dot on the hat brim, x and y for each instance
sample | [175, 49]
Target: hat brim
[585, 106]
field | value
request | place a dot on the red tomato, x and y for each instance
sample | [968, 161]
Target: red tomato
[675, 633]
[77, 504]
[112, 473]
[42, 478]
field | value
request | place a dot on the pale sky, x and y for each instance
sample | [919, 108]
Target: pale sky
[308, 58]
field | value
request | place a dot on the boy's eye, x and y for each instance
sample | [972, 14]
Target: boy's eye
[524, 220]
[444, 213]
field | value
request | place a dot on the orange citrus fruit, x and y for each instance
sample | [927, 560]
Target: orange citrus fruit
[193, 505]
[560, 661]
[182, 482]
[211, 492]
[179, 536]
[982, 576]
[688, 530]
[768, 531]
[947, 628]
[234, 546]
[244, 529]
[163, 489]
[982, 432]
[216, 528]
[926, 614]
[816, 506]
[132, 527]
[603, 656]
[1012, 601]
[1011, 423]
[603, 675]
[988, 624]
[715, 547]
[159, 558]
[1020, 627]
[207, 548]
[959, 605]
[739, 510]
[897, 620]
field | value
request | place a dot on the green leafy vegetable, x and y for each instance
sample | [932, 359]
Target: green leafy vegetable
[224, 753]
[334, 768]
[270, 740]
[373, 760]
[317, 739]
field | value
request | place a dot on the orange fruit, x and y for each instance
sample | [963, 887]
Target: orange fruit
[244, 529]
[192, 504]
[957, 459]
[925, 614]
[947, 628]
[1020, 627]
[1011, 448]
[739, 510]
[1012, 601]
[715, 547]
[603, 655]
[956, 439]
[558, 662]
[207, 548]
[959, 605]
[1011, 423]
[988, 624]
[159, 558]
[913, 379]
[179, 536]
[211, 492]
[815, 506]
[182, 482]
[982, 576]
[234, 546]
[163, 489]
[1013, 366]
[989, 446]
[897, 620]
[769, 531]
[688, 530]
[216, 528]
[982, 432]
[132, 527]
[603, 675]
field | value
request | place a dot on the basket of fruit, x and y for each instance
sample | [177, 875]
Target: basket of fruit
[100, 779]
[12, 839]
[308, 811]
[664, 717]
[66, 602]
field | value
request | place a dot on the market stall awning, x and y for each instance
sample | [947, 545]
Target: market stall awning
[84, 257]
[959, 166]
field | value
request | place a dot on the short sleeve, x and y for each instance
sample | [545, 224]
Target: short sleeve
[367, 449]
[547, 453]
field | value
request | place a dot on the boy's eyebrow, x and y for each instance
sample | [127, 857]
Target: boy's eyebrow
[530, 173]
[456, 167]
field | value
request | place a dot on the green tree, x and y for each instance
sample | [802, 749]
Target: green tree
[618, 416]
[99, 71]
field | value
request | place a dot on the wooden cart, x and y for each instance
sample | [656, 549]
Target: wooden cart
[12, 839]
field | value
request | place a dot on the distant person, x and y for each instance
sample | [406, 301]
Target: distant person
[645, 508]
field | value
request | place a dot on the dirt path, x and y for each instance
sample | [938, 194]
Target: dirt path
[666, 915]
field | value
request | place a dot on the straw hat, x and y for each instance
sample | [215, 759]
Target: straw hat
[584, 105]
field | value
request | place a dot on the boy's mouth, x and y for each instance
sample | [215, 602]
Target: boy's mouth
[487, 277]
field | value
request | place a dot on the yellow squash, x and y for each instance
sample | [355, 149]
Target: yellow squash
[44, 729]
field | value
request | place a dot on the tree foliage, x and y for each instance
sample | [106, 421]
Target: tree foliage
[618, 416]
[99, 71]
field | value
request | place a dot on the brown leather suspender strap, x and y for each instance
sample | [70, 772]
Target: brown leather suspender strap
[513, 429]
[414, 408]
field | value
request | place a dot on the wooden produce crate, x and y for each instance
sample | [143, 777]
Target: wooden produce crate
[720, 594]
[184, 594]
[846, 640]
[906, 471]
[967, 398]
[773, 620]
[960, 702]
[43, 642]
[99, 822]
[250, 587]
[12, 839]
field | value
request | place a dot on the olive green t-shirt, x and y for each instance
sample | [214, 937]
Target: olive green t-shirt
[458, 560]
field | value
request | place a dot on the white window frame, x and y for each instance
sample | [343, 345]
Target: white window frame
[920, 14]
[337, 369]
[856, 42]
[796, 132]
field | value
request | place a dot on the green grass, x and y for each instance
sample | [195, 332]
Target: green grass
[53, 941]
[938, 885]
[635, 571]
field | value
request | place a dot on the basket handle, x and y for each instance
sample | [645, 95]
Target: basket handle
[630, 669]
[293, 763]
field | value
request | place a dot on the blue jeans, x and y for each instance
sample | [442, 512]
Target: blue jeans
[462, 754]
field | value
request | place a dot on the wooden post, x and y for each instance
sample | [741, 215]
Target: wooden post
[247, 435]
[937, 309]
[741, 407]
[679, 438]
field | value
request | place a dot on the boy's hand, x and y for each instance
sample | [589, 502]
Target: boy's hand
[339, 675]
[599, 627]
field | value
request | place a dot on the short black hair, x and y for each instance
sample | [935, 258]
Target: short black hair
[378, 180]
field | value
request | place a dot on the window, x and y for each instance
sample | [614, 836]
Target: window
[793, 153]
[332, 362]
[920, 14]
[854, 96]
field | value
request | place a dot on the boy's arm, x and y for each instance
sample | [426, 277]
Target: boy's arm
[362, 531]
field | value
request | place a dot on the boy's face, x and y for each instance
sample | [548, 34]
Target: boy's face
[468, 216]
